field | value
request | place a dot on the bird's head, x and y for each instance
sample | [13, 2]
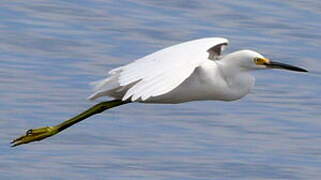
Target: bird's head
[251, 60]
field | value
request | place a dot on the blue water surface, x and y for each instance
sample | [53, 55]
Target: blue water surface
[51, 50]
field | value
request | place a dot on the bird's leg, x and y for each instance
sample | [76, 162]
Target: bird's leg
[44, 132]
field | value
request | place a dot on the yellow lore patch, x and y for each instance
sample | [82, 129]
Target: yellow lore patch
[261, 61]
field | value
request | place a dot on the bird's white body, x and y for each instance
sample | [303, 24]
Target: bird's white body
[207, 83]
[185, 72]
[190, 71]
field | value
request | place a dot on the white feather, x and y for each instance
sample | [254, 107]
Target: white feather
[158, 73]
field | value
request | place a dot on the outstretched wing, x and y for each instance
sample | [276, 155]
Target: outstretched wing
[160, 72]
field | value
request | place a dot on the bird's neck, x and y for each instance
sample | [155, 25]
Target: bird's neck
[238, 81]
[229, 69]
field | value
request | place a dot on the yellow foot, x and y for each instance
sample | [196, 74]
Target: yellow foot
[35, 135]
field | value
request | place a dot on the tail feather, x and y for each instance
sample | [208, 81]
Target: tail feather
[105, 86]
[94, 96]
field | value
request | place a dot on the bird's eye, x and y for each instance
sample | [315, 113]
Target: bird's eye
[256, 60]
[259, 61]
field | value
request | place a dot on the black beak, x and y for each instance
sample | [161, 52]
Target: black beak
[278, 65]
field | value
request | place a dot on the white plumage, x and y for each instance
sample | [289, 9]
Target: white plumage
[192, 70]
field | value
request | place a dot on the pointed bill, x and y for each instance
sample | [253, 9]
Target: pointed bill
[278, 65]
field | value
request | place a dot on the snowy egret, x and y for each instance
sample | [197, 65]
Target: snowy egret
[190, 71]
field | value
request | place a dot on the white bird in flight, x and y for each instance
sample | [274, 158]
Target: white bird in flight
[191, 71]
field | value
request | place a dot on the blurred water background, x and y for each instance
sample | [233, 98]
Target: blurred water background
[51, 50]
